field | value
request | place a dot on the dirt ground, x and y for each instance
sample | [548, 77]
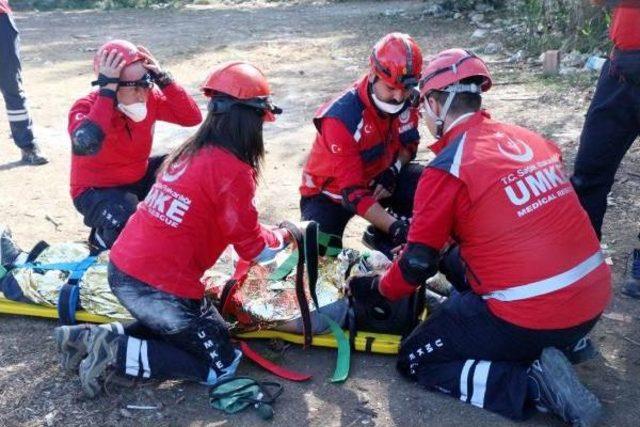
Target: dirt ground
[309, 51]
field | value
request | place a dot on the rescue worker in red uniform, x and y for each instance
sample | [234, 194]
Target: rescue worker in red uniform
[612, 124]
[111, 132]
[534, 278]
[202, 201]
[366, 138]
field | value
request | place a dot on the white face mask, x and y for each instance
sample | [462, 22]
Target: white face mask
[385, 106]
[136, 111]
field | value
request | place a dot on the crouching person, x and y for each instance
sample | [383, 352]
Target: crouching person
[201, 202]
[360, 162]
[111, 132]
[534, 277]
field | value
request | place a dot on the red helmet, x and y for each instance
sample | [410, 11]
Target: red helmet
[238, 82]
[449, 67]
[397, 59]
[129, 51]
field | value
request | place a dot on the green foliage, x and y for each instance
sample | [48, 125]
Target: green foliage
[562, 24]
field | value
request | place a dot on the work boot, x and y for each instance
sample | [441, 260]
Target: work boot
[561, 392]
[33, 157]
[72, 342]
[100, 361]
[9, 250]
[581, 352]
[631, 286]
[216, 375]
[378, 241]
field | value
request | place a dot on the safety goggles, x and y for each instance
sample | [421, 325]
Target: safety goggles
[145, 82]
[406, 81]
[263, 106]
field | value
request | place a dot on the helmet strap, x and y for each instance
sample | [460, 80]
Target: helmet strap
[439, 119]
[459, 88]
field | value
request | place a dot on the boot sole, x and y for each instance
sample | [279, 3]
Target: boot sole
[95, 363]
[70, 354]
[584, 406]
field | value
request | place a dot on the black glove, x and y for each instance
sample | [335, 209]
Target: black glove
[398, 232]
[372, 310]
[162, 79]
[388, 178]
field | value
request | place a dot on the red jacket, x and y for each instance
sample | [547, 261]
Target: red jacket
[501, 192]
[354, 144]
[625, 25]
[126, 147]
[4, 6]
[192, 213]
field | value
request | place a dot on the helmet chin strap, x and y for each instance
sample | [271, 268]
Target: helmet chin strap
[439, 120]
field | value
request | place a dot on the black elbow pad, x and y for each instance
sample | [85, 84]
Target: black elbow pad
[87, 139]
[418, 262]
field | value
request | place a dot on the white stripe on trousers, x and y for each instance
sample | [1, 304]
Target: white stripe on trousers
[132, 366]
[480, 377]
[18, 117]
[144, 356]
[464, 377]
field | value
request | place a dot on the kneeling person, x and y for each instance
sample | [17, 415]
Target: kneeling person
[201, 203]
[111, 133]
[534, 278]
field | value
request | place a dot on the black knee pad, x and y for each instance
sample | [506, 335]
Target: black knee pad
[112, 212]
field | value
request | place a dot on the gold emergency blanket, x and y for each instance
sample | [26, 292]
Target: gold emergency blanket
[43, 286]
[268, 303]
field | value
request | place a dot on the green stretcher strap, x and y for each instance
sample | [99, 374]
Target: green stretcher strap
[327, 241]
[343, 361]
[311, 250]
[285, 268]
[330, 243]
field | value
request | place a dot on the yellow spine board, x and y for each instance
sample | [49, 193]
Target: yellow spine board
[24, 309]
[369, 342]
[365, 341]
